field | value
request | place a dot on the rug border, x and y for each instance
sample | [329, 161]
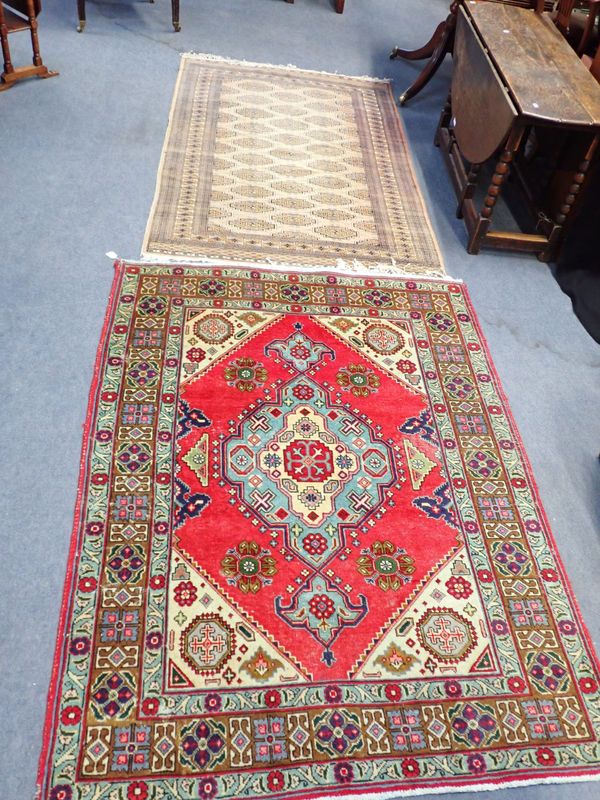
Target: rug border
[76, 530]
[594, 657]
[490, 784]
[207, 57]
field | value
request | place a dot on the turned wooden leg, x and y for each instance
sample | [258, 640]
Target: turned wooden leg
[8, 67]
[339, 6]
[501, 173]
[578, 179]
[445, 45]
[566, 207]
[81, 15]
[175, 15]
[35, 43]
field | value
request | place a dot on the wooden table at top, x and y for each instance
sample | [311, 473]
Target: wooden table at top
[513, 70]
[544, 77]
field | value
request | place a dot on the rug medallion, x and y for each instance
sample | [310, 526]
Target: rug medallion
[308, 558]
[277, 163]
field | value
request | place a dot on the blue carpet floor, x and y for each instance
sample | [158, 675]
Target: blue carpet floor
[78, 160]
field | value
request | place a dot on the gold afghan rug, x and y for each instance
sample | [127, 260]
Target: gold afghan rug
[308, 558]
[282, 164]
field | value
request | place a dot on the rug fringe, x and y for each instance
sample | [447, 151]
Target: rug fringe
[191, 56]
[358, 268]
[451, 788]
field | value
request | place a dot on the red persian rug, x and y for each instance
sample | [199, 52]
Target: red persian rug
[308, 556]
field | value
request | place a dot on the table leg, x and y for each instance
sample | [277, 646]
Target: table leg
[339, 6]
[501, 173]
[81, 15]
[445, 44]
[421, 52]
[575, 186]
[8, 67]
[175, 15]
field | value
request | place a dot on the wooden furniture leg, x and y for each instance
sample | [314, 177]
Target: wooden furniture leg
[174, 14]
[501, 172]
[426, 51]
[339, 6]
[560, 215]
[442, 43]
[8, 66]
[81, 15]
[594, 10]
[15, 23]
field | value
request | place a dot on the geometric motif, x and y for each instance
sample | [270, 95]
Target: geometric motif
[291, 588]
[207, 644]
[446, 634]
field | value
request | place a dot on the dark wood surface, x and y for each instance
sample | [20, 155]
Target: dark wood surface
[13, 22]
[22, 6]
[442, 40]
[478, 94]
[542, 73]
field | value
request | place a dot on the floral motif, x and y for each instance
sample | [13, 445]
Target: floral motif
[143, 373]
[126, 563]
[358, 380]
[245, 374]
[343, 772]
[474, 724]
[459, 587]
[377, 298]
[212, 288]
[153, 305]
[337, 733]
[321, 606]
[315, 544]
[295, 293]
[137, 790]
[385, 565]
[185, 593]
[113, 695]
[203, 744]
[302, 391]
[548, 672]
[249, 567]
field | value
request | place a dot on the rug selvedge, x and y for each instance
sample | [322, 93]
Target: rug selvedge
[378, 606]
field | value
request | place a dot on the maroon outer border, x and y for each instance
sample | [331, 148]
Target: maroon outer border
[467, 783]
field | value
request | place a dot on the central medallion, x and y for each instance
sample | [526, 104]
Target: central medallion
[306, 460]
[309, 463]
[311, 470]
